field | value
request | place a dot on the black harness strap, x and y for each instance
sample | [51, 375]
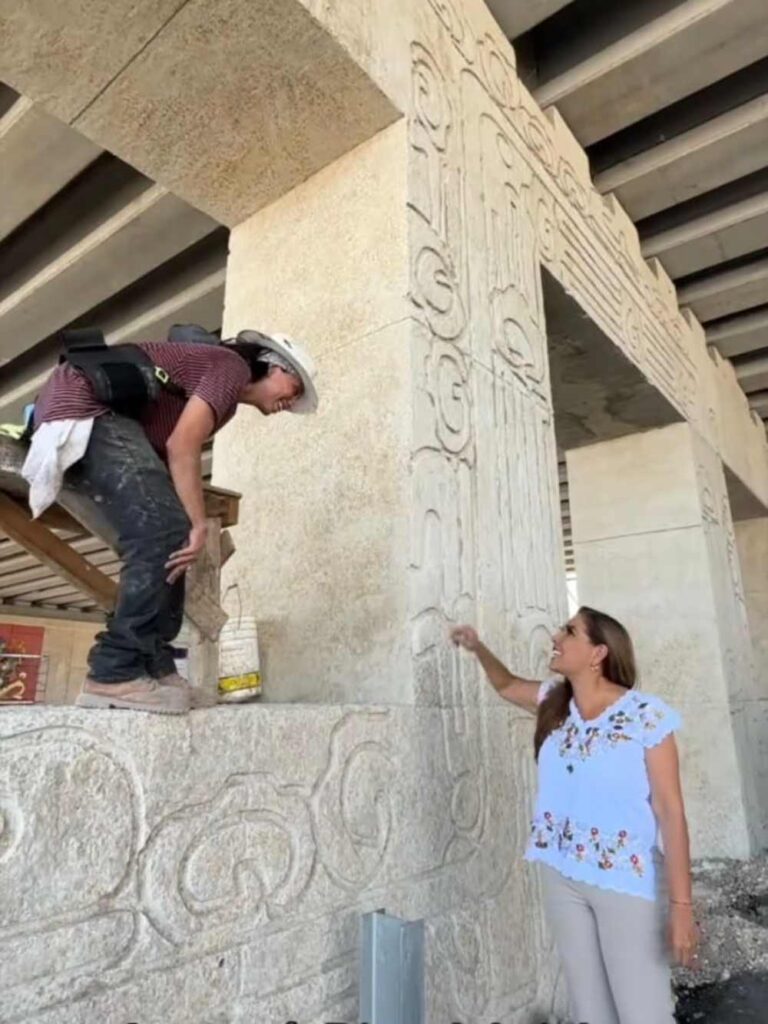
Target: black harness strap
[122, 376]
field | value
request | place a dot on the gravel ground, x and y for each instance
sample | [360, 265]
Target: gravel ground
[731, 983]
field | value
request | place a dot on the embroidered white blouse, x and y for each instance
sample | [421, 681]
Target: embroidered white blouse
[593, 820]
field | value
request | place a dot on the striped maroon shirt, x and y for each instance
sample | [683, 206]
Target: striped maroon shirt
[211, 372]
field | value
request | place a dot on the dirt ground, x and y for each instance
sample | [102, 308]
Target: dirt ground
[731, 983]
[742, 1000]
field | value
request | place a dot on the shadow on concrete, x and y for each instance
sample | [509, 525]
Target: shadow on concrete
[740, 1000]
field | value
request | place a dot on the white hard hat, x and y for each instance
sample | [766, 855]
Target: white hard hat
[301, 361]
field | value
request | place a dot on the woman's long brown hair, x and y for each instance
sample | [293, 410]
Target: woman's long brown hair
[618, 667]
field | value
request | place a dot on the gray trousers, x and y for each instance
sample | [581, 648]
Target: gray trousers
[613, 950]
[123, 475]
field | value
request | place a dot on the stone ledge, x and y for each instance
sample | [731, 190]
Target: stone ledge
[217, 864]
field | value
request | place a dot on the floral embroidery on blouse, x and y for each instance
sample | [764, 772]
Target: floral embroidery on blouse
[578, 743]
[587, 844]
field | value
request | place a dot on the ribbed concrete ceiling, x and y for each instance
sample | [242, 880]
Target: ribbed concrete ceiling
[670, 100]
[84, 238]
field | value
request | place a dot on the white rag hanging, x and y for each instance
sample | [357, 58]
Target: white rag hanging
[55, 447]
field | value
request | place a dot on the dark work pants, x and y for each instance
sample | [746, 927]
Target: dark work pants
[132, 488]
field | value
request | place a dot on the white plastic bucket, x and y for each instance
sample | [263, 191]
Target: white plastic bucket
[239, 671]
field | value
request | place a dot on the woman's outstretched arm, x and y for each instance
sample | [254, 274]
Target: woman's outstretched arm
[667, 802]
[523, 692]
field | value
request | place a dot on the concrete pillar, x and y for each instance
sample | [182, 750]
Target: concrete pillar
[752, 547]
[654, 546]
[425, 491]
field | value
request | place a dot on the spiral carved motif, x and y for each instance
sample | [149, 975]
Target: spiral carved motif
[545, 230]
[456, 27]
[352, 803]
[451, 398]
[633, 332]
[436, 291]
[431, 106]
[499, 75]
[505, 150]
[244, 855]
[572, 187]
[539, 141]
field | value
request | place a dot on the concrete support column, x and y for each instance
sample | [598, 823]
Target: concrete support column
[654, 546]
[425, 492]
[323, 540]
[752, 547]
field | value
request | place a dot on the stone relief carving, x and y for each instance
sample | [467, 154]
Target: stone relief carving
[733, 621]
[734, 569]
[442, 561]
[435, 288]
[311, 968]
[435, 291]
[527, 500]
[234, 861]
[448, 385]
[717, 519]
[215, 876]
[543, 221]
[249, 854]
[457, 26]
[633, 332]
[460, 955]
[498, 74]
[596, 284]
[61, 913]
[353, 801]
[442, 573]
[593, 247]
[508, 274]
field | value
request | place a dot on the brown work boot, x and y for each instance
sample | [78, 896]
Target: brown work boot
[173, 679]
[142, 694]
[198, 698]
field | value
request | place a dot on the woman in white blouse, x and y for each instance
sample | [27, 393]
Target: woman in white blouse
[609, 782]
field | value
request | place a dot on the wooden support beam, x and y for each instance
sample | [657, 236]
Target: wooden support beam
[15, 521]
[41, 611]
[227, 546]
[55, 517]
[27, 569]
[14, 559]
[203, 610]
[221, 504]
[58, 519]
[54, 591]
[201, 605]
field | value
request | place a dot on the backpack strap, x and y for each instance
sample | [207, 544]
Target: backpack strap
[123, 377]
[81, 339]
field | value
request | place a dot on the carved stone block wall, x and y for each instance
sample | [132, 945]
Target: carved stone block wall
[654, 545]
[585, 239]
[214, 869]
